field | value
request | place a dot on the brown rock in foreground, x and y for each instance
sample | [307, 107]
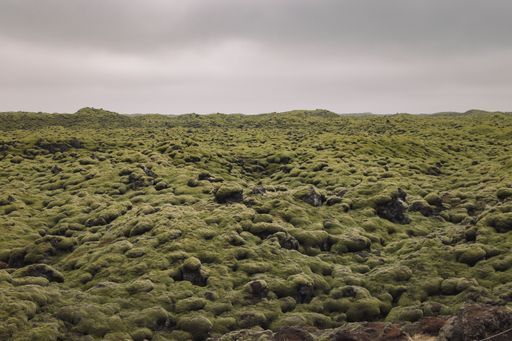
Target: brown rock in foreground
[477, 322]
[473, 322]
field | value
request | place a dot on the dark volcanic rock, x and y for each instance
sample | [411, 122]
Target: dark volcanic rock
[394, 208]
[293, 334]
[148, 171]
[310, 195]
[305, 293]
[287, 241]
[195, 277]
[478, 322]
[54, 147]
[191, 271]
[258, 190]
[258, 288]
[229, 193]
[8, 200]
[56, 169]
[205, 176]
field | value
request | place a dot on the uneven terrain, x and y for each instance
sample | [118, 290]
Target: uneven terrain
[185, 227]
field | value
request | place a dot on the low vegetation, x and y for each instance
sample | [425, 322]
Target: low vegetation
[119, 227]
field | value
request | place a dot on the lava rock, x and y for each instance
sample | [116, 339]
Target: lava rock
[205, 176]
[287, 241]
[259, 190]
[191, 271]
[257, 288]
[229, 193]
[393, 207]
[292, 333]
[310, 195]
[478, 322]
[56, 169]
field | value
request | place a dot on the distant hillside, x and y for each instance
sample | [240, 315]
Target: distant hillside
[100, 118]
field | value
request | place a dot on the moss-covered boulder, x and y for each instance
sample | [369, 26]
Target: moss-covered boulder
[504, 193]
[470, 255]
[310, 195]
[191, 270]
[502, 222]
[392, 206]
[198, 326]
[402, 314]
[40, 270]
[366, 309]
[227, 193]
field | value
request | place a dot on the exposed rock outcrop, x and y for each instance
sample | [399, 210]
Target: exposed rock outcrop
[393, 207]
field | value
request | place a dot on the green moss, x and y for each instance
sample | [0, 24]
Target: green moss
[471, 255]
[366, 309]
[132, 224]
[432, 286]
[310, 195]
[192, 264]
[29, 280]
[142, 334]
[336, 305]
[154, 318]
[433, 199]
[352, 243]
[218, 308]
[290, 320]
[394, 274]
[229, 193]
[504, 193]
[141, 228]
[251, 318]
[198, 326]
[42, 332]
[140, 285]
[263, 230]
[318, 239]
[453, 286]
[263, 218]
[40, 270]
[252, 268]
[190, 304]
[39, 252]
[401, 314]
[501, 222]
[223, 325]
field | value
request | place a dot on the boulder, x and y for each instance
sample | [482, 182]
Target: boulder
[310, 195]
[478, 322]
[393, 207]
[257, 288]
[191, 271]
[229, 193]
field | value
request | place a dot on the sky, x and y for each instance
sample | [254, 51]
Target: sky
[254, 56]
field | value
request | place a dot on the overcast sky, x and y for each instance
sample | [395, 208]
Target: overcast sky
[170, 56]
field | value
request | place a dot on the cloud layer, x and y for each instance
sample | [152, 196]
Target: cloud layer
[255, 56]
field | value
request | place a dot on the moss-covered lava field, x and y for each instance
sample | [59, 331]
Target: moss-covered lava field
[187, 227]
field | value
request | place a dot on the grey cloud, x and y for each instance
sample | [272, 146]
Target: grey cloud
[255, 56]
[135, 25]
